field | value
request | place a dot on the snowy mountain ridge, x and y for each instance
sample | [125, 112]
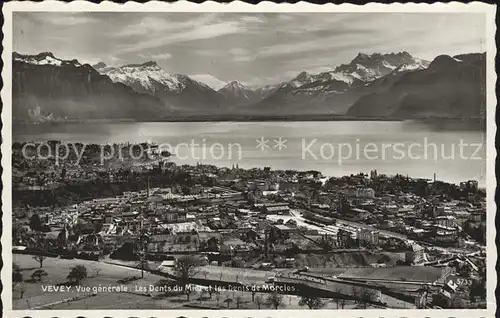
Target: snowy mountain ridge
[146, 75]
[44, 58]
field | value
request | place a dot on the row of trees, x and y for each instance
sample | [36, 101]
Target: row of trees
[186, 267]
[76, 274]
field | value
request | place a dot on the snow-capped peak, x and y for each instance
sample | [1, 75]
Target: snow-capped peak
[151, 64]
[418, 64]
[409, 67]
[389, 65]
[44, 58]
[370, 67]
[235, 84]
[147, 75]
[212, 82]
[301, 79]
[363, 68]
[235, 89]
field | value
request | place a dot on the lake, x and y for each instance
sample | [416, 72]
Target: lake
[454, 152]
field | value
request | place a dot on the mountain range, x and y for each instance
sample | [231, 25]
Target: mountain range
[394, 85]
[46, 86]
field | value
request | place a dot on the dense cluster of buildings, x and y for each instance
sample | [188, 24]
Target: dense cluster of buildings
[230, 213]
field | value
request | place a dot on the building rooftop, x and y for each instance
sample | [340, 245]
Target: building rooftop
[282, 227]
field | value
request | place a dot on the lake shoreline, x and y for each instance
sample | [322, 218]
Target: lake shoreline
[334, 147]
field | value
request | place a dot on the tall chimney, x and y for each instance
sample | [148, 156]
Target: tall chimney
[148, 187]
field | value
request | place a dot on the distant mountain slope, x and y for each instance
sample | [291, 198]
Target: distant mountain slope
[180, 92]
[451, 87]
[237, 94]
[44, 85]
[333, 92]
[395, 85]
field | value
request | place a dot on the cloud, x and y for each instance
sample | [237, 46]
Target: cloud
[156, 57]
[197, 33]
[244, 58]
[75, 20]
[321, 44]
[238, 51]
[90, 61]
[241, 55]
[303, 23]
[114, 61]
[249, 47]
[160, 24]
[63, 18]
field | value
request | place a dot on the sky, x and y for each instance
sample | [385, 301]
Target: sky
[253, 48]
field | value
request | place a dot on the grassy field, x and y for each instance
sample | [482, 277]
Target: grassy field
[403, 273]
[103, 274]
[57, 269]
[127, 301]
[218, 273]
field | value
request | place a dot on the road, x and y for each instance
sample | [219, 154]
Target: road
[295, 215]
[332, 229]
[246, 276]
[343, 223]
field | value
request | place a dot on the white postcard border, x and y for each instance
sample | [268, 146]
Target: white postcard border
[237, 6]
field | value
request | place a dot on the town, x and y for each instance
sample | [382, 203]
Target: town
[210, 237]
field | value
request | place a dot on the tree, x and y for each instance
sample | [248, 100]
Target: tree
[17, 275]
[143, 245]
[188, 291]
[38, 275]
[356, 293]
[202, 293]
[258, 301]
[142, 264]
[211, 291]
[311, 302]
[205, 274]
[96, 271]
[186, 267]
[458, 302]
[203, 245]
[22, 289]
[366, 296]
[40, 259]
[239, 300]
[337, 300]
[314, 261]
[343, 302]
[478, 290]
[167, 286]
[253, 295]
[228, 301]
[77, 274]
[217, 298]
[35, 223]
[275, 300]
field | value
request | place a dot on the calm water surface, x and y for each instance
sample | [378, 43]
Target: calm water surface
[334, 148]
